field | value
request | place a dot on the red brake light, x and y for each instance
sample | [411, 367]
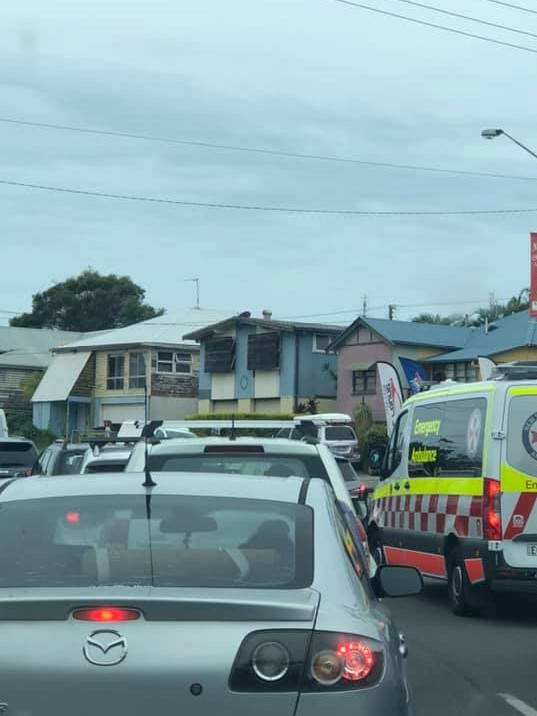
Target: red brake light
[358, 660]
[492, 522]
[72, 518]
[106, 615]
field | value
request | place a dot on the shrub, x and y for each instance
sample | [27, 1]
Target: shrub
[375, 438]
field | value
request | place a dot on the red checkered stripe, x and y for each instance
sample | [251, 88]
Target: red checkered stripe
[437, 514]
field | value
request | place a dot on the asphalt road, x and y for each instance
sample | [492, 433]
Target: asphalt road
[483, 666]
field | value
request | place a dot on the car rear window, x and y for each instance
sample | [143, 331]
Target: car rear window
[339, 433]
[262, 463]
[15, 454]
[70, 462]
[185, 541]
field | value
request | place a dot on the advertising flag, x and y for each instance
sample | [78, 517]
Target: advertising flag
[414, 373]
[533, 276]
[392, 393]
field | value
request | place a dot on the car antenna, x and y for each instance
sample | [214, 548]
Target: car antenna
[233, 433]
[147, 432]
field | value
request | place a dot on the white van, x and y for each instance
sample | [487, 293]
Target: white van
[457, 496]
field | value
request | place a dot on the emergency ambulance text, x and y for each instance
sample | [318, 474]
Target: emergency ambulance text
[423, 455]
[427, 427]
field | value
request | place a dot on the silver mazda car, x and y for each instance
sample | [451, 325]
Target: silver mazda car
[191, 594]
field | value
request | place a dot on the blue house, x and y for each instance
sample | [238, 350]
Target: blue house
[263, 365]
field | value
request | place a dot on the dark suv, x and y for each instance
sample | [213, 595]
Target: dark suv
[60, 458]
[17, 456]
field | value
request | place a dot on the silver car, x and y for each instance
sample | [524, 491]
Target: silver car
[196, 595]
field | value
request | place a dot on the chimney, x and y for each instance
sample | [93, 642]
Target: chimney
[267, 315]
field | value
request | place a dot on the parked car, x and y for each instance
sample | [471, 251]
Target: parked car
[237, 596]
[17, 456]
[332, 429]
[60, 458]
[111, 457]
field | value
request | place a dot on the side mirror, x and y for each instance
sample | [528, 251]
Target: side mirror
[395, 581]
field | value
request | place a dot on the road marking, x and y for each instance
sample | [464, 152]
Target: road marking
[519, 705]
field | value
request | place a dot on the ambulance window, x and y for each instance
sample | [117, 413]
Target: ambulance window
[522, 434]
[424, 440]
[447, 439]
[460, 448]
[397, 443]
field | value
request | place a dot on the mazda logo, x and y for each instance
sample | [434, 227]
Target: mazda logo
[105, 647]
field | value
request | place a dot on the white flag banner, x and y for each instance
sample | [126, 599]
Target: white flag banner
[392, 393]
[486, 367]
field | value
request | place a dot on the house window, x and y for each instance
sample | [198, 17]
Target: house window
[321, 341]
[172, 362]
[116, 372]
[136, 370]
[364, 382]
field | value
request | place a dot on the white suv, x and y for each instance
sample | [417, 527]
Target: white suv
[332, 429]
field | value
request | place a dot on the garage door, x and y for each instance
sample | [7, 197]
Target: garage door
[118, 413]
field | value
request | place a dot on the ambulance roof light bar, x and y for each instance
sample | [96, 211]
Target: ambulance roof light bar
[516, 370]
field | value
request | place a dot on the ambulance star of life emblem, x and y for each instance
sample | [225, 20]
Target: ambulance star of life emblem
[529, 435]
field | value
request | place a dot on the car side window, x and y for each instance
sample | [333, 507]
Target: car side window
[397, 444]
[40, 465]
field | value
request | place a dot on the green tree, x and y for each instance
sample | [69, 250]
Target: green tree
[89, 302]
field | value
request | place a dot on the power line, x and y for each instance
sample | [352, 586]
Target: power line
[468, 17]
[513, 7]
[253, 207]
[258, 150]
[435, 26]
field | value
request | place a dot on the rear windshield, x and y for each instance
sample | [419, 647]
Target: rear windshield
[281, 465]
[339, 433]
[103, 466]
[188, 541]
[522, 434]
[15, 454]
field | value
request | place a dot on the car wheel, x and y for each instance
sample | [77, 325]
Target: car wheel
[465, 598]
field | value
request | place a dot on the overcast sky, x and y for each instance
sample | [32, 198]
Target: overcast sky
[303, 76]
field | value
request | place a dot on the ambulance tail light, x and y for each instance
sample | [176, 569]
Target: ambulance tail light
[492, 521]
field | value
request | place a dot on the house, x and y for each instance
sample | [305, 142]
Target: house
[23, 352]
[432, 352]
[143, 370]
[263, 365]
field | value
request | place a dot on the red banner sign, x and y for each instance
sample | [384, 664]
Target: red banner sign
[533, 276]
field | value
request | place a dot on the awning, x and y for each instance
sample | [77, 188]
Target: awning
[60, 377]
[363, 365]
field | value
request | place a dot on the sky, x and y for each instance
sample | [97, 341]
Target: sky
[316, 77]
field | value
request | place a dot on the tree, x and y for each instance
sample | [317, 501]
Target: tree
[515, 304]
[89, 302]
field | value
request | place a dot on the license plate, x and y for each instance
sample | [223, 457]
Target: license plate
[532, 550]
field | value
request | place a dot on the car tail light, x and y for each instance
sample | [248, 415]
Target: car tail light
[296, 660]
[72, 518]
[492, 521]
[106, 615]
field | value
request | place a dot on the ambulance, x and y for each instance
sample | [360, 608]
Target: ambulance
[457, 495]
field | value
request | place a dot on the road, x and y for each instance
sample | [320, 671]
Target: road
[484, 666]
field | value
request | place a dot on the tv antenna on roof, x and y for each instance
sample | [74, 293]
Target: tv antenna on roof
[197, 282]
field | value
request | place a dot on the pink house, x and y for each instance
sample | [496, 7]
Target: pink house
[369, 340]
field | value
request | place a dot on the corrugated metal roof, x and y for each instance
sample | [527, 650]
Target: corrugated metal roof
[31, 347]
[166, 330]
[505, 334]
[409, 333]
[270, 324]
[60, 377]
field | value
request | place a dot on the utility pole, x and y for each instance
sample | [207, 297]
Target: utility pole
[391, 311]
[364, 306]
[197, 282]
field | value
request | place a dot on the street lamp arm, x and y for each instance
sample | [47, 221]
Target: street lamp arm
[533, 154]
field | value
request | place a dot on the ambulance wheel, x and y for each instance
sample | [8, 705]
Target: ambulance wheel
[465, 599]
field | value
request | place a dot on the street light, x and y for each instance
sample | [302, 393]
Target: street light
[493, 133]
